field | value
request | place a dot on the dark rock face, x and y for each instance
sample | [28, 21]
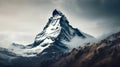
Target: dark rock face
[56, 12]
[103, 54]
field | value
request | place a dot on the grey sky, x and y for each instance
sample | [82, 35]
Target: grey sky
[21, 20]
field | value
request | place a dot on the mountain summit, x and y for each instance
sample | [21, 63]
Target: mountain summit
[59, 32]
[56, 12]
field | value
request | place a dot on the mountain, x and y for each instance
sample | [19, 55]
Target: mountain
[105, 53]
[58, 37]
[58, 34]
[58, 31]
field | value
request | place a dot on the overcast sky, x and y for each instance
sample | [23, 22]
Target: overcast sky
[21, 20]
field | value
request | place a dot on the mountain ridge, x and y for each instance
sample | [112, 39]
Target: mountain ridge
[105, 53]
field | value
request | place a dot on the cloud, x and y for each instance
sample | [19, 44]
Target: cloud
[7, 38]
[100, 7]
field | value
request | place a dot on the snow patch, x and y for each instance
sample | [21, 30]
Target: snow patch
[29, 52]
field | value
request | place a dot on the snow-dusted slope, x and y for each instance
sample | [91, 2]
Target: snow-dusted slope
[50, 32]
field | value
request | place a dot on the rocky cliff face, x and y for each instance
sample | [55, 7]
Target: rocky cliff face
[105, 53]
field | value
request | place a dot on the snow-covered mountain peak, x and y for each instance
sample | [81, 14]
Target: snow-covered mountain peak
[59, 31]
[57, 12]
